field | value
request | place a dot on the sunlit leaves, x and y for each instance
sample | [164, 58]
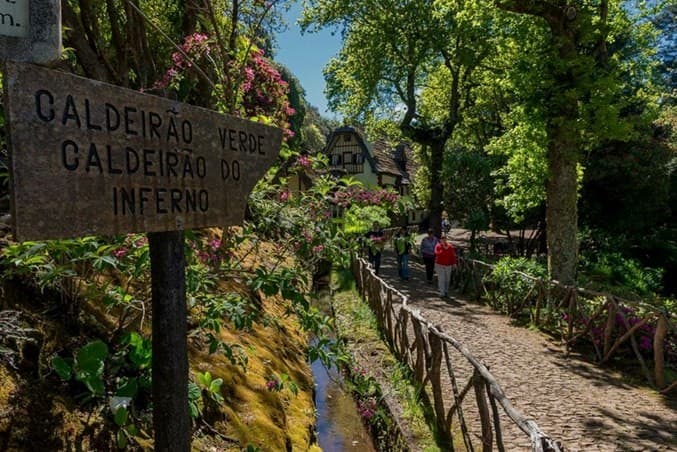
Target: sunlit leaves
[521, 182]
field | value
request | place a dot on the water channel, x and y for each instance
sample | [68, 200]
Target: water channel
[339, 426]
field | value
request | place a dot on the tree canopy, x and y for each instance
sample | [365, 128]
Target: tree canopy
[538, 85]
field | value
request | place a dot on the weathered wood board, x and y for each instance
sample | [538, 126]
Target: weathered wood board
[30, 30]
[91, 158]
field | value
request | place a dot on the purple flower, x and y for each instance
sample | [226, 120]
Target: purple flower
[645, 343]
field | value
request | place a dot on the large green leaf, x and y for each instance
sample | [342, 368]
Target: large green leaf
[62, 367]
[89, 360]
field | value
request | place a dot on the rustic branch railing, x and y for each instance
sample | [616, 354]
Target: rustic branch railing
[608, 324]
[425, 350]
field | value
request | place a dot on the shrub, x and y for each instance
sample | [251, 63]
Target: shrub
[611, 272]
[507, 284]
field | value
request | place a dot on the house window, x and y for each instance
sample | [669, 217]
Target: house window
[346, 138]
[347, 158]
[357, 159]
[335, 159]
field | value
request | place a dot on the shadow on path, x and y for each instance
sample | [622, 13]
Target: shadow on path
[587, 407]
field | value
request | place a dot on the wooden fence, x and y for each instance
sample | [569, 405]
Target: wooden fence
[608, 325]
[427, 351]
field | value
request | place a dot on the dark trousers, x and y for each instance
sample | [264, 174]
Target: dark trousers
[375, 260]
[429, 262]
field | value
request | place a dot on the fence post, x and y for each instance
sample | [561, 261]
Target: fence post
[610, 323]
[485, 418]
[419, 367]
[659, 359]
[435, 378]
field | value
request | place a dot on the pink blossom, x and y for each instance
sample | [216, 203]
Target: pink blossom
[303, 161]
[120, 253]
[367, 408]
[318, 248]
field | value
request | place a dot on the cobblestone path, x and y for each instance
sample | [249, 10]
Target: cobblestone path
[586, 407]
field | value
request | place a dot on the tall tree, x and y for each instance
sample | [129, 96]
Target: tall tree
[585, 98]
[390, 50]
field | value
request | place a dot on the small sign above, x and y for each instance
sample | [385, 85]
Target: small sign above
[91, 158]
[14, 18]
[30, 30]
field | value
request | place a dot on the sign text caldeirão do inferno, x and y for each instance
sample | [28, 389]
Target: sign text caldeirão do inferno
[92, 158]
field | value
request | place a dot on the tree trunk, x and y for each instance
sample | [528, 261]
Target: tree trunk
[563, 148]
[561, 213]
[562, 187]
[436, 185]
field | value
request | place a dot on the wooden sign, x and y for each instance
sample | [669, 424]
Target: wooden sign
[14, 18]
[30, 30]
[91, 158]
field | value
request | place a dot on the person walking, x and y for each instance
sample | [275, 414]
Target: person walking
[402, 246]
[445, 258]
[375, 240]
[427, 250]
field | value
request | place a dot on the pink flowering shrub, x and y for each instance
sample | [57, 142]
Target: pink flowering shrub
[644, 334]
[276, 383]
[197, 47]
[209, 253]
[367, 408]
[364, 197]
[304, 161]
[264, 92]
[255, 84]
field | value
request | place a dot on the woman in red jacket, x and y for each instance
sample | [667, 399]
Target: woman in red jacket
[445, 258]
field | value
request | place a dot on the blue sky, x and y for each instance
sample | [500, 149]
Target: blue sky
[306, 55]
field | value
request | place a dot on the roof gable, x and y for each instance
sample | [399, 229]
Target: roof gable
[381, 155]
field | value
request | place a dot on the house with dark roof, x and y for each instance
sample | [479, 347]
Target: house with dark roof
[377, 164]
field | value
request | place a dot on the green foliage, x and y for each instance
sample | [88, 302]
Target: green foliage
[139, 350]
[520, 182]
[508, 285]
[611, 272]
[277, 383]
[126, 370]
[468, 191]
[211, 387]
[121, 376]
[358, 220]
[330, 352]
[88, 366]
[52, 264]
[126, 428]
[194, 400]
[219, 308]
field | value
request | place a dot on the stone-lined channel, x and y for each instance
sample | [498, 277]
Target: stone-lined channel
[339, 426]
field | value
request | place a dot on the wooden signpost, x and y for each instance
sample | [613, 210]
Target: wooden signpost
[91, 158]
[30, 30]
